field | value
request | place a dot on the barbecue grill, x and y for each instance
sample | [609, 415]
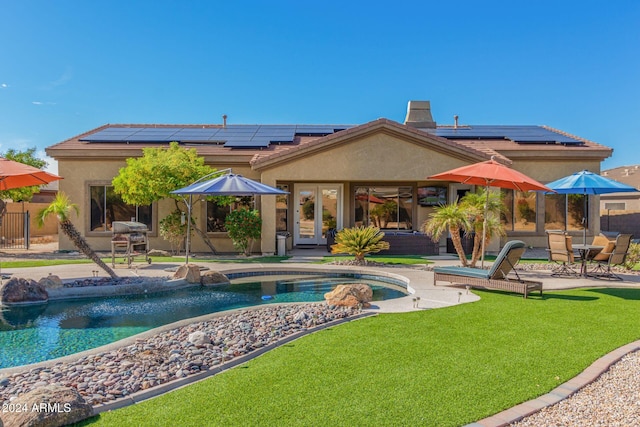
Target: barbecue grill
[131, 237]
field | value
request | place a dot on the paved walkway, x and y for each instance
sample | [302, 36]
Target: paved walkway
[424, 295]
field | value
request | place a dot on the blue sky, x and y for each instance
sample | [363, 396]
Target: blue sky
[70, 66]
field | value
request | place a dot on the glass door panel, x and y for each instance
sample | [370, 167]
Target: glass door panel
[306, 216]
[329, 210]
[318, 209]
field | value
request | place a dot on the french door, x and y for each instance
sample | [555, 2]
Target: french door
[318, 207]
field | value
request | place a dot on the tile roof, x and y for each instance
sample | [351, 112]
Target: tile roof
[309, 145]
[629, 175]
[299, 143]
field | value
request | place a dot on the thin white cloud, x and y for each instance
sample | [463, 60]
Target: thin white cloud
[4, 85]
[66, 76]
[43, 103]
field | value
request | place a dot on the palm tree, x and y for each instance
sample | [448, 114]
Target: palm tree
[474, 204]
[452, 218]
[62, 208]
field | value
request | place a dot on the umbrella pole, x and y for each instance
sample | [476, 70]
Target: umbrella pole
[584, 221]
[186, 249]
[484, 226]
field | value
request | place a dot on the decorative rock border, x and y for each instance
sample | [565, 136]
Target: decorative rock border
[174, 357]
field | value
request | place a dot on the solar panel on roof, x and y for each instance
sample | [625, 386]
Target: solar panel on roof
[247, 144]
[110, 134]
[314, 129]
[245, 136]
[518, 134]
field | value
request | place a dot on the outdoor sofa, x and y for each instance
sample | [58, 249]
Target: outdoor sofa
[494, 278]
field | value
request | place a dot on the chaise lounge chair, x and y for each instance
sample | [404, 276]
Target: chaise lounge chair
[496, 277]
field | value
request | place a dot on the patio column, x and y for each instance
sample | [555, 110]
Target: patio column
[268, 214]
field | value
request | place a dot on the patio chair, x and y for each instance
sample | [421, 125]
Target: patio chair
[496, 277]
[560, 250]
[608, 258]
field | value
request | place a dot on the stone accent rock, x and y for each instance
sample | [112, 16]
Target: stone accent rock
[48, 406]
[51, 282]
[158, 252]
[199, 339]
[17, 290]
[350, 295]
[213, 278]
[188, 272]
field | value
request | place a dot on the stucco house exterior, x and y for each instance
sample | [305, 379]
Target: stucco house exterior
[337, 175]
[620, 212]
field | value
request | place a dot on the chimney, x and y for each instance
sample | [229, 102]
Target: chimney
[455, 121]
[224, 121]
[419, 115]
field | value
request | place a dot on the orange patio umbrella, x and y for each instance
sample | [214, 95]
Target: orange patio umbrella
[18, 175]
[491, 174]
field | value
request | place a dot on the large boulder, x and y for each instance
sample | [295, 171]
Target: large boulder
[159, 252]
[350, 295]
[51, 282]
[199, 339]
[48, 406]
[213, 278]
[22, 291]
[188, 272]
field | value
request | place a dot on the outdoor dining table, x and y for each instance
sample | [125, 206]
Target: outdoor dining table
[585, 250]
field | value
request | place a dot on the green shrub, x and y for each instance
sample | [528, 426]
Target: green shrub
[174, 230]
[359, 241]
[243, 226]
[633, 256]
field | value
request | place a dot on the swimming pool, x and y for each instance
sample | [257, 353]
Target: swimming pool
[60, 328]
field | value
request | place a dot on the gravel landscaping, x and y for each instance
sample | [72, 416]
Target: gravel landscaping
[174, 354]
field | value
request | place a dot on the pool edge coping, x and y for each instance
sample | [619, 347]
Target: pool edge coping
[4, 372]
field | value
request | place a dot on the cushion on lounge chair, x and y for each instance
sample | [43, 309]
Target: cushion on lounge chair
[496, 277]
[504, 263]
[464, 271]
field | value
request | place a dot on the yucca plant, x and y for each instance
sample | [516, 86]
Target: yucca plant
[359, 241]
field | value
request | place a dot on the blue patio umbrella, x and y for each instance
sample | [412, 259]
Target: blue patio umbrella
[229, 184]
[585, 183]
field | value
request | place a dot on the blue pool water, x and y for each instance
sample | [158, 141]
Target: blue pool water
[37, 333]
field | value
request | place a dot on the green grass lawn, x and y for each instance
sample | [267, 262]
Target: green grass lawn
[444, 367]
[213, 258]
[398, 259]
[388, 259]
[107, 260]
[48, 262]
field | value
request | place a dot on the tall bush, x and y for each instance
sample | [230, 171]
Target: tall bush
[243, 226]
[173, 230]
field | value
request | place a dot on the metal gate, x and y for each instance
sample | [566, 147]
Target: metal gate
[15, 231]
